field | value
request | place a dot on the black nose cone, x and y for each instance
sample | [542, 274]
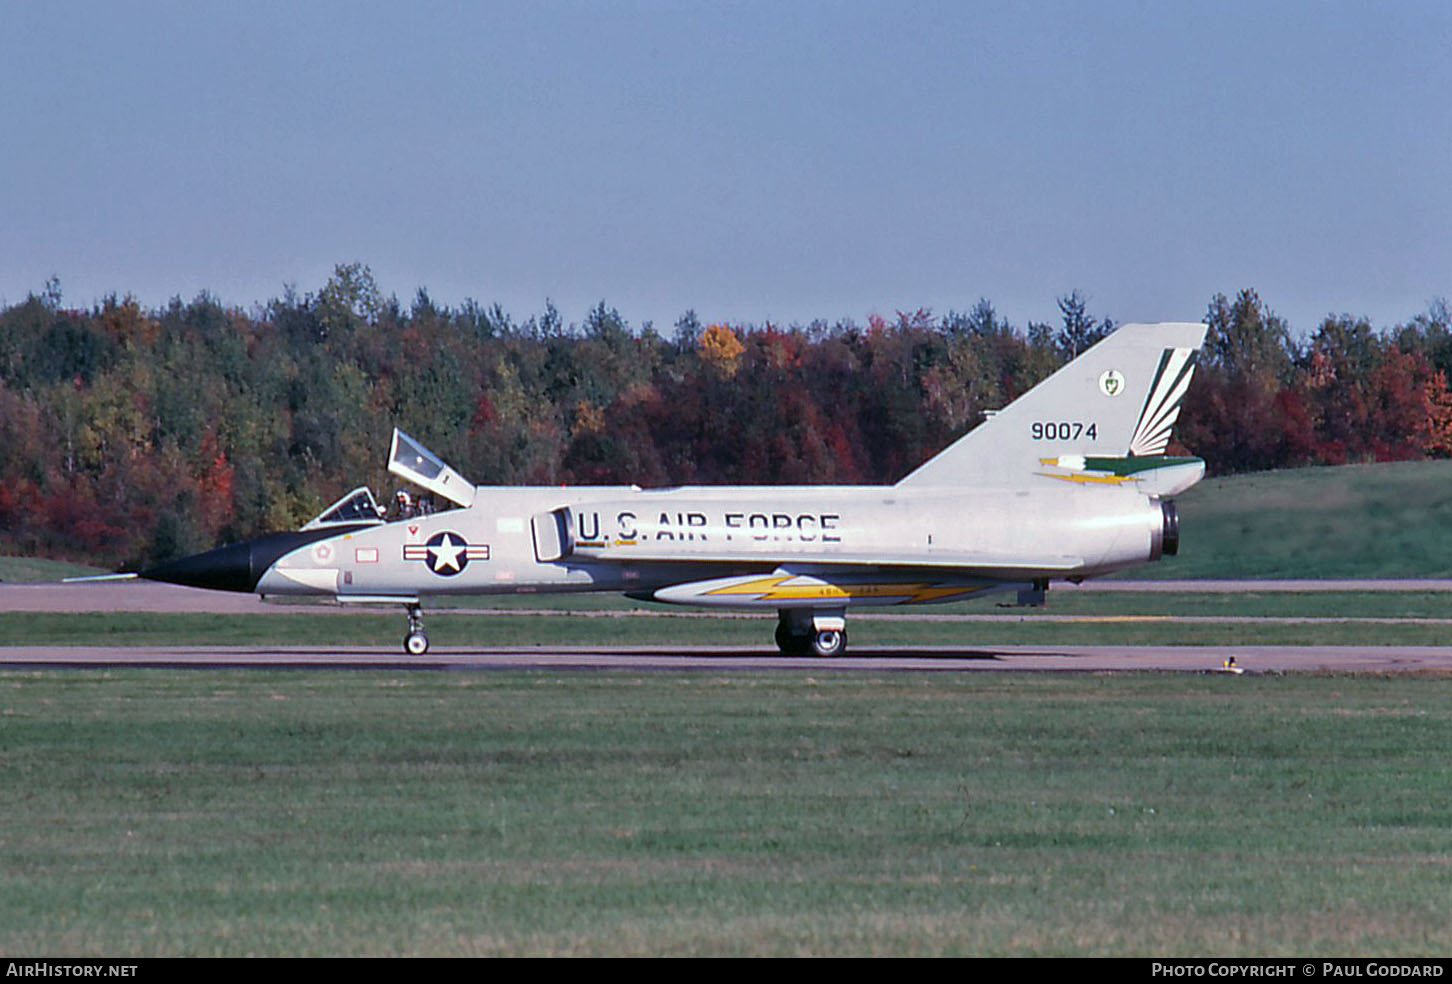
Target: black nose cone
[226, 568]
[238, 566]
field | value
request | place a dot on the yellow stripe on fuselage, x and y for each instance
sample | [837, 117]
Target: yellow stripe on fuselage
[915, 592]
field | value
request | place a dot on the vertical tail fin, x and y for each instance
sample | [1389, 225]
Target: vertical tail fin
[1119, 399]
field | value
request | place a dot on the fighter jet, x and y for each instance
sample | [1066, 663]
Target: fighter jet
[1069, 481]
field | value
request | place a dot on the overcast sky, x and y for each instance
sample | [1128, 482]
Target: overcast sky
[778, 161]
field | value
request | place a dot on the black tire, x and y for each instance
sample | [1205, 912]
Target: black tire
[790, 643]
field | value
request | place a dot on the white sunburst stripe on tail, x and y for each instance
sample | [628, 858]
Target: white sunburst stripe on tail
[1157, 429]
[1172, 379]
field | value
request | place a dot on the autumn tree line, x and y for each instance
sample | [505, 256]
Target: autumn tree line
[131, 436]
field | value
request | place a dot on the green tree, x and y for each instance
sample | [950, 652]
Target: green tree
[1247, 406]
[1078, 330]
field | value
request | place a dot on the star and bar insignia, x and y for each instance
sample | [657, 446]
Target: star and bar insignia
[446, 553]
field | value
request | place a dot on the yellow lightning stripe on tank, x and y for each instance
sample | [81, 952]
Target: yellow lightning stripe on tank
[1083, 479]
[917, 592]
[1077, 474]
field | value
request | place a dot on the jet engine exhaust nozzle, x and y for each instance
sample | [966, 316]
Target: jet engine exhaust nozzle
[1170, 531]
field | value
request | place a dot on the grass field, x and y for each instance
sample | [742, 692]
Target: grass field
[1387, 520]
[174, 813]
[200, 812]
[32, 569]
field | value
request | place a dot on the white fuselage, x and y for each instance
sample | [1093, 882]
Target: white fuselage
[513, 540]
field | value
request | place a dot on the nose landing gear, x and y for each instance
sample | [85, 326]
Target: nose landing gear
[416, 643]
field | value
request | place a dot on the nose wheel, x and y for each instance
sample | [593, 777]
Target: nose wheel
[416, 643]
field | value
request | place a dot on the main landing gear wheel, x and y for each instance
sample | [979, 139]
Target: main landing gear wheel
[791, 643]
[416, 643]
[797, 635]
[829, 642]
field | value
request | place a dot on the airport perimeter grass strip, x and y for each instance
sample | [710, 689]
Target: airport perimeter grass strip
[1372, 520]
[358, 629]
[158, 813]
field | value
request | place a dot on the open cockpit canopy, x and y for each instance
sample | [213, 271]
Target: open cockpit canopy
[409, 459]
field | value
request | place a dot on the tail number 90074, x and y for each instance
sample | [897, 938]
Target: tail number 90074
[1062, 430]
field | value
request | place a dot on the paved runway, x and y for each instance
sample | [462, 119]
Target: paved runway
[133, 596]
